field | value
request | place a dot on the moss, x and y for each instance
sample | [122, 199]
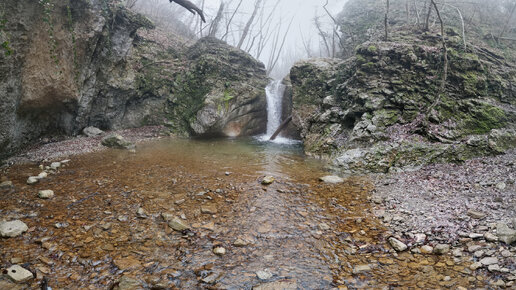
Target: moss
[372, 49]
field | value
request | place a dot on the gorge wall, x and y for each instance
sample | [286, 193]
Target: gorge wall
[381, 110]
[66, 65]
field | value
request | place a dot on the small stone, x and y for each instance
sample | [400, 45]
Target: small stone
[505, 234]
[501, 185]
[479, 254]
[476, 214]
[45, 194]
[140, 213]
[127, 263]
[219, 251]
[208, 209]
[6, 185]
[493, 268]
[19, 274]
[16, 260]
[128, 283]
[499, 283]
[474, 248]
[324, 227]
[55, 165]
[278, 285]
[420, 238]
[426, 249]
[489, 261]
[457, 252]
[117, 141]
[167, 216]
[264, 274]
[490, 237]
[475, 236]
[397, 244]
[42, 175]
[211, 279]
[178, 225]
[331, 179]
[209, 226]
[441, 249]
[227, 173]
[12, 229]
[507, 254]
[92, 131]
[32, 180]
[240, 243]
[361, 268]
[268, 180]
[475, 266]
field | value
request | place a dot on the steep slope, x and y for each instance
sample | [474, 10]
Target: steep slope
[66, 65]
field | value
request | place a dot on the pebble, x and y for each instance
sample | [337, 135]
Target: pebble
[140, 213]
[331, 179]
[324, 227]
[45, 194]
[475, 236]
[493, 268]
[219, 251]
[55, 165]
[505, 234]
[479, 254]
[264, 274]
[476, 214]
[397, 244]
[489, 261]
[441, 249]
[32, 180]
[475, 266]
[490, 237]
[127, 283]
[267, 180]
[361, 268]
[177, 224]
[12, 229]
[208, 209]
[426, 249]
[240, 243]
[42, 175]
[19, 274]
[6, 185]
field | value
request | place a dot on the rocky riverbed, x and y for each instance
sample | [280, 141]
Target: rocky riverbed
[220, 214]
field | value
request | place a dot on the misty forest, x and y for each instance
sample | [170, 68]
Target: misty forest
[257, 144]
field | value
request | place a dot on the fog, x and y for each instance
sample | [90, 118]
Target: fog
[287, 27]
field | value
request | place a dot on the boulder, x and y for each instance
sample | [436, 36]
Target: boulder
[117, 141]
[92, 131]
[12, 229]
[505, 234]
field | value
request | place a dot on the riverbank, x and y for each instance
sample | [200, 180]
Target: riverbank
[457, 205]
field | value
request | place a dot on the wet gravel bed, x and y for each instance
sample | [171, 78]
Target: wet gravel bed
[61, 147]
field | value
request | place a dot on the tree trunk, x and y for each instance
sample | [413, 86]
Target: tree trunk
[281, 128]
[249, 23]
[504, 29]
[386, 21]
[215, 24]
[442, 88]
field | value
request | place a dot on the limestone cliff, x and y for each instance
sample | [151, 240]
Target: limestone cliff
[66, 65]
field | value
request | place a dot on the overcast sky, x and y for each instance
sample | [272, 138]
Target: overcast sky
[302, 11]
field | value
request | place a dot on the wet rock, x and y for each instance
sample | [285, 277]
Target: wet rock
[208, 209]
[55, 165]
[441, 249]
[219, 251]
[6, 185]
[426, 249]
[12, 229]
[268, 180]
[278, 285]
[45, 194]
[117, 141]
[505, 234]
[264, 274]
[489, 261]
[178, 225]
[32, 180]
[128, 283]
[92, 131]
[361, 268]
[127, 263]
[397, 244]
[476, 214]
[19, 274]
[331, 179]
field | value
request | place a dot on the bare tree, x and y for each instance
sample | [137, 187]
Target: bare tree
[190, 7]
[442, 88]
[245, 32]
[228, 24]
[386, 21]
[427, 21]
[504, 29]
[322, 34]
[215, 24]
[276, 55]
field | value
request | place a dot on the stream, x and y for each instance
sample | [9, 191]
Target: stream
[106, 222]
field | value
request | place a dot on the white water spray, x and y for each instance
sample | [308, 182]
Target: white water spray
[274, 92]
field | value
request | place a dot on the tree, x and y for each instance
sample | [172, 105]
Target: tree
[386, 21]
[249, 23]
[190, 7]
[215, 24]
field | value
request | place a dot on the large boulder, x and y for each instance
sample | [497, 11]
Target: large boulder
[370, 113]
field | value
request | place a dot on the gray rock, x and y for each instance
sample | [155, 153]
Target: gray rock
[426, 249]
[12, 229]
[501, 185]
[476, 214]
[493, 268]
[219, 251]
[268, 180]
[397, 244]
[331, 179]
[490, 237]
[92, 131]
[42, 175]
[441, 249]
[45, 194]
[264, 274]
[6, 185]
[178, 225]
[505, 234]
[19, 274]
[489, 261]
[475, 236]
[55, 165]
[475, 266]
[361, 268]
[32, 180]
[278, 285]
[128, 283]
[117, 141]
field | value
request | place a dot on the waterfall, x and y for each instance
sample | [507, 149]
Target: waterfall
[274, 92]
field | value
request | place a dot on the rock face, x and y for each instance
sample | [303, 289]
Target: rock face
[369, 113]
[95, 63]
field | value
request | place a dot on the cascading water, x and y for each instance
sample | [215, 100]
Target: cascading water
[274, 92]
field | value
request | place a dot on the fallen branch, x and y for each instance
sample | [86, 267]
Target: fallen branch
[280, 128]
